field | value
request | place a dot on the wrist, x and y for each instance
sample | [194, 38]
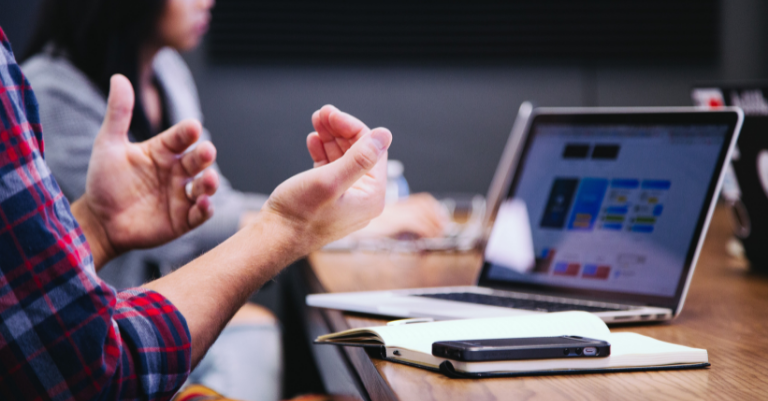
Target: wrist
[248, 218]
[290, 236]
[98, 240]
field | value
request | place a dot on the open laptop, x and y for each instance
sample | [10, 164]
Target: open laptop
[603, 210]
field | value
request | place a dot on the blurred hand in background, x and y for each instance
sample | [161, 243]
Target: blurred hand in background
[419, 215]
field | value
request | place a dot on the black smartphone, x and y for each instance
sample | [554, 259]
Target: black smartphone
[505, 349]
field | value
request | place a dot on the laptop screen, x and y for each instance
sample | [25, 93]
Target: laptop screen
[607, 207]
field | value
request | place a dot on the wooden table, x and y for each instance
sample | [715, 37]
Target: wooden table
[726, 312]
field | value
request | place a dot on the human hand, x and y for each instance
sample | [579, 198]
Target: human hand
[346, 188]
[135, 193]
[419, 215]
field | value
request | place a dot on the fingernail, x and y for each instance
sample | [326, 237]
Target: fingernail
[381, 139]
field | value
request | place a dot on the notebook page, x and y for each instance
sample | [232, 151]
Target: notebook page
[635, 349]
[419, 337]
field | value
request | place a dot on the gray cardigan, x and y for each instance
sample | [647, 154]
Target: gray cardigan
[72, 109]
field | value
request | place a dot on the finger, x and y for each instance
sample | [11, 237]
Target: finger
[201, 211]
[117, 120]
[319, 119]
[199, 158]
[206, 184]
[344, 125]
[177, 139]
[344, 144]
[361, 158]
[332, 150]
[337, 130]
[316, 149]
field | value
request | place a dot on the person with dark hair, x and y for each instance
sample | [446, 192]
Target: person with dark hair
[67, 335]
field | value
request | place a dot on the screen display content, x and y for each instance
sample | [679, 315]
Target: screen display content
[605, 207]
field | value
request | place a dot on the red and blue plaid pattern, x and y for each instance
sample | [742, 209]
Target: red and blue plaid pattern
[64, 333]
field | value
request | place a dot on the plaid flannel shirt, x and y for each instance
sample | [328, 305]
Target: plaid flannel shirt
[64, 333]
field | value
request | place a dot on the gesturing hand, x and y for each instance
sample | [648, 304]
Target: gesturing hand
[346, 188]
[135, 192]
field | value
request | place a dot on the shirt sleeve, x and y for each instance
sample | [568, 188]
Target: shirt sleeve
[64, 333]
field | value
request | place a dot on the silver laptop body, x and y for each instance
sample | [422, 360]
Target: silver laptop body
[597, 209]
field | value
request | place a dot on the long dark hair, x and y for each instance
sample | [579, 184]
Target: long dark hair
[101, 38]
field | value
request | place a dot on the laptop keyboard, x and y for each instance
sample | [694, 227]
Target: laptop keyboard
[518, 303]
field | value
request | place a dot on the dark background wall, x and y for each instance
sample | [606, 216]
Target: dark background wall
[450, 121]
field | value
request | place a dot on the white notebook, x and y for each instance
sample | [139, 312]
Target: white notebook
[412, 344]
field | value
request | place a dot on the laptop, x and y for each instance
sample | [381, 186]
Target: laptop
[602, 210]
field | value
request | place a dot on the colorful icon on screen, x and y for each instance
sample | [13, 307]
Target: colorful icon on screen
[566, 269]
[596, 272]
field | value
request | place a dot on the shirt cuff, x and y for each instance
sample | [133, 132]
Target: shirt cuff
[157, 338]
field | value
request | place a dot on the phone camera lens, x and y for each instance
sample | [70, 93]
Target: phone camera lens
[578, 351]
[566, 351]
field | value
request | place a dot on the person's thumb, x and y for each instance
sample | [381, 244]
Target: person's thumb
[120, 102]
[361, 158]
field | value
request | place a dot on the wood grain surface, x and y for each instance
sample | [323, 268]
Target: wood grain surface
[726, 312]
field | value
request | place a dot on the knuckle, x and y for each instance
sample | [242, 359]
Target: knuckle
[366, 158]
[120, 108]
[119, 111]
[199, 158]
[181, 138]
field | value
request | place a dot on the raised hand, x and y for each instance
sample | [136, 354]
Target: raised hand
[346, 188]
[135, 194]
[335, 132]
[420, 215]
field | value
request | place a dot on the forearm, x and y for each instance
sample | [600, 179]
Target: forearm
[209, 290]
[95, 234]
